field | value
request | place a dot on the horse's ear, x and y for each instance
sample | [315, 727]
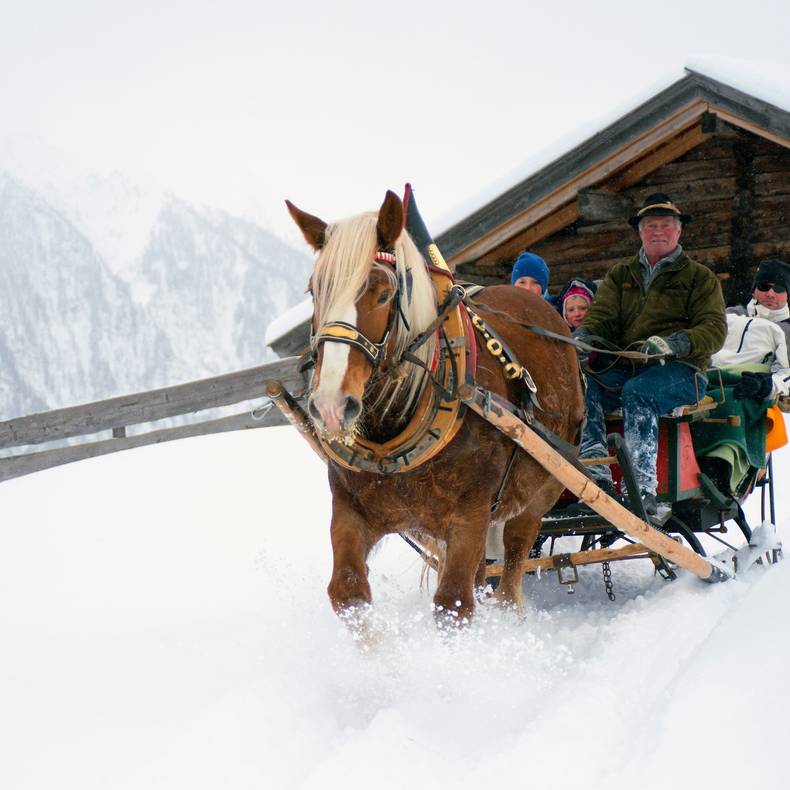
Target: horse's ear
[390, 222]
[313, 228]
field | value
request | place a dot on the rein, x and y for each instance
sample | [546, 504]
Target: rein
[572, 341]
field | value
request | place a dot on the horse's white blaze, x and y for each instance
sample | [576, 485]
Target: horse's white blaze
[329, 396]
[335, 361]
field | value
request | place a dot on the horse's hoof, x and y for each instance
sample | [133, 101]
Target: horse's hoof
[451, 618]
[354, 611]
[515, 603]
[358, 619]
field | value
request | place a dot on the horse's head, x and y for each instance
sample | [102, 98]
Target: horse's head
[366, 308]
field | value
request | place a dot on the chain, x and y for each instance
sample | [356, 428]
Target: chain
[607, 580]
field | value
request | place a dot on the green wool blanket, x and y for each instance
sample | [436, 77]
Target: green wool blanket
[742, 445]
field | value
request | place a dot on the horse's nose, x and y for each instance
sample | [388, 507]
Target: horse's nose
[313, 410]
[335, 415]
[351, 410]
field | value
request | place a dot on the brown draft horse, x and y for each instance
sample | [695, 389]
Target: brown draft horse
[448, 498]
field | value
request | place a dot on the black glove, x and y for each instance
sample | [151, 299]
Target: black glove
[676, 345]
[753, 385]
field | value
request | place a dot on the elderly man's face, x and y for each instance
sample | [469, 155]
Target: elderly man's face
[765, 294]
[660, 235]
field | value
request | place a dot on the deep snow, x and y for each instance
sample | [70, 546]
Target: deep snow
[164, 624]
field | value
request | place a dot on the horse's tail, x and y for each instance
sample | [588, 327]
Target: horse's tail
[433, 555]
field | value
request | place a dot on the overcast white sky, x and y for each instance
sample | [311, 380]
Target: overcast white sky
[241, 104]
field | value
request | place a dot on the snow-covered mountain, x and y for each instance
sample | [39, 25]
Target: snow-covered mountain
[109, 288]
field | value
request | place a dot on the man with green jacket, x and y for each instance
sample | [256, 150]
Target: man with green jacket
[665, 304]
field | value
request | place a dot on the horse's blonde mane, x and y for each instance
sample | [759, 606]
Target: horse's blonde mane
[340, 276]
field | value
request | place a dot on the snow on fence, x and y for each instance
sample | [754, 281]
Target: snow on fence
[118, 414]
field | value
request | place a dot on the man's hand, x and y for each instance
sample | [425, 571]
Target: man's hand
[676, 345]
[657, 346]
[753, 385]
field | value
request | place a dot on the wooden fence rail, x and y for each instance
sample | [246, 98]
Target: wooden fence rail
[116, 414]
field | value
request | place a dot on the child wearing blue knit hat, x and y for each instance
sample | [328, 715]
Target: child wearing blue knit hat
[530, 272]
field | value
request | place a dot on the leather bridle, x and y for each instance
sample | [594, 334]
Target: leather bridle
[348, 334]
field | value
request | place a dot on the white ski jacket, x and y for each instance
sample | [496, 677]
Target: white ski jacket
[751, 340]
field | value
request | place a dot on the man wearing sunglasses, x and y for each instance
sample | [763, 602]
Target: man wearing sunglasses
[769, 297]
[758, 333]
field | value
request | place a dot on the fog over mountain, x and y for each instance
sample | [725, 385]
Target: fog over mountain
[109, 287]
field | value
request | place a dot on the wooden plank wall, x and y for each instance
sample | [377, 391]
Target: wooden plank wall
[735, 185]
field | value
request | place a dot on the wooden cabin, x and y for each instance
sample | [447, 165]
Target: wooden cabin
[722, 155]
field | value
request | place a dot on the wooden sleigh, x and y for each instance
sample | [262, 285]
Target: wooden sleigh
[691, 503]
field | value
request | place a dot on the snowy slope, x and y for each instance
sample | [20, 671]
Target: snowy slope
[184, 640]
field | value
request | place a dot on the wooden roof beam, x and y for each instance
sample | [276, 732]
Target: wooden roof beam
[671, 150]
[540, 230]
[741, 123]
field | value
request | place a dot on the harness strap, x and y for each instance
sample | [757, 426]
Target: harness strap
[341, 332]
[444, 394]
[508, 469]
[454, 297]
[568, 451]
[512, 368]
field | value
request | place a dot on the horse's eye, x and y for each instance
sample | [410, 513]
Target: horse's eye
[384, 297]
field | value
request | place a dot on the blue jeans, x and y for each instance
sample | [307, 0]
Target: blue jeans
[646, 393]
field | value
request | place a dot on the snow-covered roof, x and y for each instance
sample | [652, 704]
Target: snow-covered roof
[551, 152]
[766, 83]
[769, 82]
[289, 320]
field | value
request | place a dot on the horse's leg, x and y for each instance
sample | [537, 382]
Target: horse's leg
[454, 597]
[519, 537]
[351, 542]
[480, 576]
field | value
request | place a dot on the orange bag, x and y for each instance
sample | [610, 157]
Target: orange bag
[775, 429]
